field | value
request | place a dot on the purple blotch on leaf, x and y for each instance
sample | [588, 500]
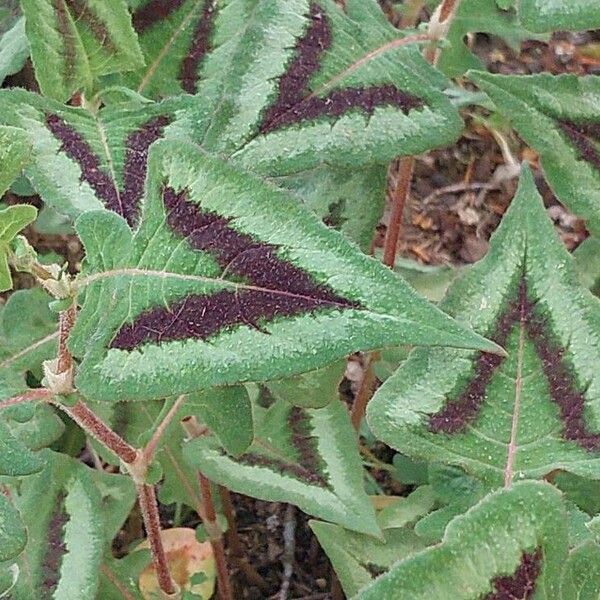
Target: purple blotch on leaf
[579, 134]
[521, 585]
[458, 413]
[272, 286]
[125, 202]
[294, 101]
[153, 12]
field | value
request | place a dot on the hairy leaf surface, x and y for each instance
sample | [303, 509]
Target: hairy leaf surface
[83, 161]
[14, 49]
[74, 41]
[62, 507]
[15, 152]
[306, 457]
[520, 416]
[559, 15]
[510, 545]
[13, 535]
[581, 577]
[358, 558]
[558, 116]
[221, 268]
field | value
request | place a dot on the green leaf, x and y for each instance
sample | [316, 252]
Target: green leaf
[13, 535]
[15, 153]
[581, 577]
[14, 49]
[357, 558]
[558, 117]
[349, 200]
[513, 539]
[74, 41]
[305, 457]
[119, 577]
[25, 342]
[587, 260]
[62, 508]
[520, 416]
[85, 161]
[12, 220]
[478, 16]
[407, 510]
[315, 389]
[181, 313]
[430, 281]
[228, 414]
[559, 15]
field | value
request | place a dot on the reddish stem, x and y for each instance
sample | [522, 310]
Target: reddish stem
[399, 196]
[29, 396]
[365, 392]
[216, 539]
[98, 429]
[66, 321]
[149, 508]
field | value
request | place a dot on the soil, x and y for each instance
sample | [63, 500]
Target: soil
[448, 220]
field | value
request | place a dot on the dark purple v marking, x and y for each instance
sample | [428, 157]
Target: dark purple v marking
[55, 547]
[83, 12]
[295, 103]
[272, 286]
[521, 585]
[154, 11]
[583, 136]
[124, 202]
[458, 413]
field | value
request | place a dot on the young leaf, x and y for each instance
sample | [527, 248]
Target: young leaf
[74, 41]
[581, 577]
[62, 509]
[15, 151]
[83, 161]
[223, 269]
[511, 545]
[14, 49]
[12, 220]
[559, 15]
[297, 93]
[13, 535]
[358, 558]
[478, 16]
[349, 200]
[15, 458]
[558, 117]
[302, 456]
[520, 416]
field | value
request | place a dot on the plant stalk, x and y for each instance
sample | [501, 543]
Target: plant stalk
[216, 539]
[149, 509]
[41, 394]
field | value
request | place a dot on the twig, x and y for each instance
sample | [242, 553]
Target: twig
[98, 429]
[458, 187]
[289, 551]
[216, 539]
[235, 545]
[149, 509]
[399, 196]
[150, 449]
[28, 396]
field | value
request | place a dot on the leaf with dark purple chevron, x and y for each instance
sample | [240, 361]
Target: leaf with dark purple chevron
[306, 457]
[223, 266]
[83, 161]
[291, 93]
[558, 117]
[75, 41]
[175, 37]
[520, 416]
[70, 512]
[514, 541]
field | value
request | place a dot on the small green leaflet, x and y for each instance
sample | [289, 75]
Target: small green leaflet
[306, 457]
[525, 415]
[223, 267]
[581, 578]
[558, 117]
[12, 220]
[14, 49]
[513, 540]
[75, 41]
[559, 15]
[84, 161]
[478, 16]
[120, 576]
[357, 557]
[13, 535]
[65, 508]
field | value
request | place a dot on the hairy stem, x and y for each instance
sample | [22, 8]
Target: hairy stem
[151, 446]
[41, 394]
[149, 509]
[216, 539]
[99, 430]
[66, 321]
